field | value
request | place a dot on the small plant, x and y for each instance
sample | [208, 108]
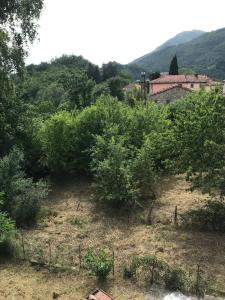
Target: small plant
[46, 213]
[129, 269]
[77, 221]
[99, 263]
[200, 285]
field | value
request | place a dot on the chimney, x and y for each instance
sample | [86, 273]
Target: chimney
[196, 75]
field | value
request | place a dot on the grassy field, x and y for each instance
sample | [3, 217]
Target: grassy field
[75, 222]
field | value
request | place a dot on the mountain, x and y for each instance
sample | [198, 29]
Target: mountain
[180, 38]
[204, 54]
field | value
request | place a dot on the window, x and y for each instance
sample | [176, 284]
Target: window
[192, 85]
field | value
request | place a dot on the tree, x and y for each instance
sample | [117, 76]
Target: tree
[110, 70]
[93, 72]
[200, 141]
[17, 29]
[173, 66]
[116, 85]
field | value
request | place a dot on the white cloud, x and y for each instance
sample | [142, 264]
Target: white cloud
[120, 30]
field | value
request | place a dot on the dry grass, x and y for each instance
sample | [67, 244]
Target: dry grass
[115, 231]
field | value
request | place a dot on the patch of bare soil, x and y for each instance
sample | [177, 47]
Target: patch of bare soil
[77, 223]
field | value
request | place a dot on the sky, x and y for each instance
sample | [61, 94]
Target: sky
[118, 30]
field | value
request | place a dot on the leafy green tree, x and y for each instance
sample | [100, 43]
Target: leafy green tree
[17, 29]
[100, 89]
[116, 85]
[110, 69]
[173, 66]
[200, 142]
[93, 72]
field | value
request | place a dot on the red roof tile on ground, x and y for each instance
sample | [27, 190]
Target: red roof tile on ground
[101, 295]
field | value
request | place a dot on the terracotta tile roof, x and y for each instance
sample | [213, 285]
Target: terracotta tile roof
[170, 88]
[182, 79]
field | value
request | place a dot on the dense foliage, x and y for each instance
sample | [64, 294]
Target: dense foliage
[200, 141]
[21, 195]
[72, 82]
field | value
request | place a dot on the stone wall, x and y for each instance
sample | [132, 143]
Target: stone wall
[169, 96]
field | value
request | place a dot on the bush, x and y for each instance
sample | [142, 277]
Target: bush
[176, 280]
[7, 231]
[76, 133]
[112, 169]
[99, 263]
[209, 217]
[21, 196]
[156, 271]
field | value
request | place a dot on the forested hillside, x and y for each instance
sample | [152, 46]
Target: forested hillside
[72, 80]
[204, 55]
[180, 38]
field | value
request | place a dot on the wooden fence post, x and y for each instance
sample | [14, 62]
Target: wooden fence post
[23, 247]
[80, 258]
[50, 253]
[175, 216]
[113, 264]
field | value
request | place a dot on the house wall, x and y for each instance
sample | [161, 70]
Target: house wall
[193, 86]
[157, 87]
[169, 96]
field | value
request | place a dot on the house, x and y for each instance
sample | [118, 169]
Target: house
[192, 82]
[170, 95]
[131, 87]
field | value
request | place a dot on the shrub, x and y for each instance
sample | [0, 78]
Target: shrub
[99, 263]
[7, 231]
[77, 221]
[76, 133]
[176, 280]
[112, 169]
[27, 201]
[211, 216]
[21, 196]
[156, 271]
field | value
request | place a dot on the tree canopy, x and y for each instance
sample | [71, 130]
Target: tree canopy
[173, 66]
